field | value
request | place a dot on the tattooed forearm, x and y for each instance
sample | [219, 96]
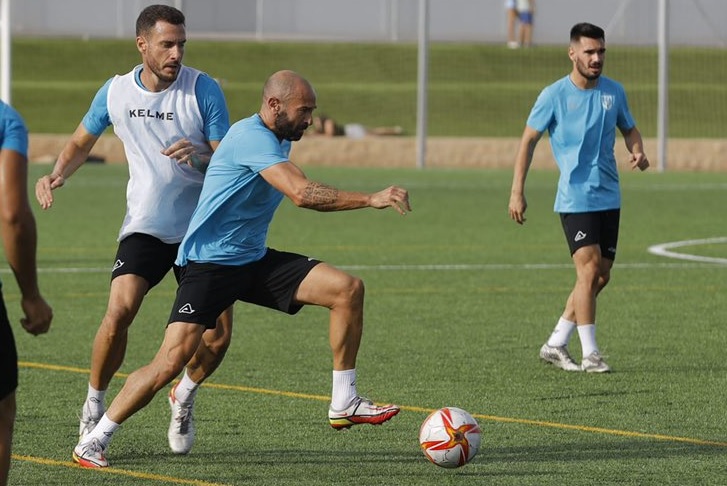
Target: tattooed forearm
[320, 196]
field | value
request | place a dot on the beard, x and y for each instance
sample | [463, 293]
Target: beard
[167, 78]
[287, 130]
[586, 73]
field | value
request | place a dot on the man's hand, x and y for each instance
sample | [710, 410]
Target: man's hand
[38, 315]
[639, 160]
[518, 206]
[185, 153]
[44, 189]
[396, 197]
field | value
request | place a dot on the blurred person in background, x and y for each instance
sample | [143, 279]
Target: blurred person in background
[525, 14]
[581, 113]
[19, 236]
[325, 125]
[170, 118]
[511, 13]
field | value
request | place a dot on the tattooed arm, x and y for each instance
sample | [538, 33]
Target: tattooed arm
[291, 181]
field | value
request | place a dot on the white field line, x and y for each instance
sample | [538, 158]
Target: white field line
[697, 262]
[663, 249]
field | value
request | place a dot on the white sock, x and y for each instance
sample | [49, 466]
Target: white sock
[186, 390]
[562, 333]
[103, 431]
[344, 389]
[587, 333]
[95, 401]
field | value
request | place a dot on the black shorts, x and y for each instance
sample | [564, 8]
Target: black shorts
[145, 256]
[206, 289]
[8, 354]
[595, 228]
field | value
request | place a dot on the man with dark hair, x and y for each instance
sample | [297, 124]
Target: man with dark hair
[170, 118]
[224, 258]
[19, 236]
[581, 113]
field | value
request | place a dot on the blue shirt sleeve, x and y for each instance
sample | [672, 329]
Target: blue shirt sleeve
[624, 121]
[97, 118]
[14, 134]
[213, 107]
[543, 112]
[210, 99]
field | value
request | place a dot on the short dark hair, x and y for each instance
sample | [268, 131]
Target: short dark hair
[154, 13]
[584, 29]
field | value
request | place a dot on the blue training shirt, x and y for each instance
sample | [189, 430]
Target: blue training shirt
[582, 127]
[13, 132]
[210, 99]
[230, 224]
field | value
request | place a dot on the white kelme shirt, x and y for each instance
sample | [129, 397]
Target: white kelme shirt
[162, 193]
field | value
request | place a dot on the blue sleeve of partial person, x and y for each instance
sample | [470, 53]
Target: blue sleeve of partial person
[97, 118]
[213, 107]
[14, 134]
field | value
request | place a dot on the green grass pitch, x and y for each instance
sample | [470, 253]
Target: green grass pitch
[459, 300]
[474, 90]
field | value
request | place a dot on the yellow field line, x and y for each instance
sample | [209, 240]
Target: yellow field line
[585, 428]
[114, 471]
[492, 418]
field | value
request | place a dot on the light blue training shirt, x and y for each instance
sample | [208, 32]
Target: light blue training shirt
[210, 99]
[230, 224]
[13, 132]
[582, 127]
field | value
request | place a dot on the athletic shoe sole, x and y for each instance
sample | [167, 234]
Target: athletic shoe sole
[349, 421]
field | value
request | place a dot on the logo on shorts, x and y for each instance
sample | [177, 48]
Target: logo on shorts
[579, 236]
[117, 264]
[186, 309]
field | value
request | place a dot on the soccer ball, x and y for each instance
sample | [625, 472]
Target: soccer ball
[449, 437]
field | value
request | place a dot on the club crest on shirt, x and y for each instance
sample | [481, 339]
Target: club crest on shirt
[607, 101]
[573, 104]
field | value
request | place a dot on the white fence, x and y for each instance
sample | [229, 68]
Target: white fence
[692, 22]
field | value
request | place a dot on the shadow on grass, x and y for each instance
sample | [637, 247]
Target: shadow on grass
[490, 462]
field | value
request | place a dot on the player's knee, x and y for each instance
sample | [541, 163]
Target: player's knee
[603, 280]
[353, 291]
[348, 292]
[118, 319]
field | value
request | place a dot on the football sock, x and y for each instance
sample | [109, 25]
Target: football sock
[344, 389]
[587, 333]
[562, 333]
[95, 400]
[103, 431]
[186, 390]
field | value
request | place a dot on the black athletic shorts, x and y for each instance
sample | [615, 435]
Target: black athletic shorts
[145, 256]
[8, 354]
[206, 289]
[595, 228]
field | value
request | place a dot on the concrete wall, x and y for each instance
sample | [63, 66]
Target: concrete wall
[692, 22]
[684, 154]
